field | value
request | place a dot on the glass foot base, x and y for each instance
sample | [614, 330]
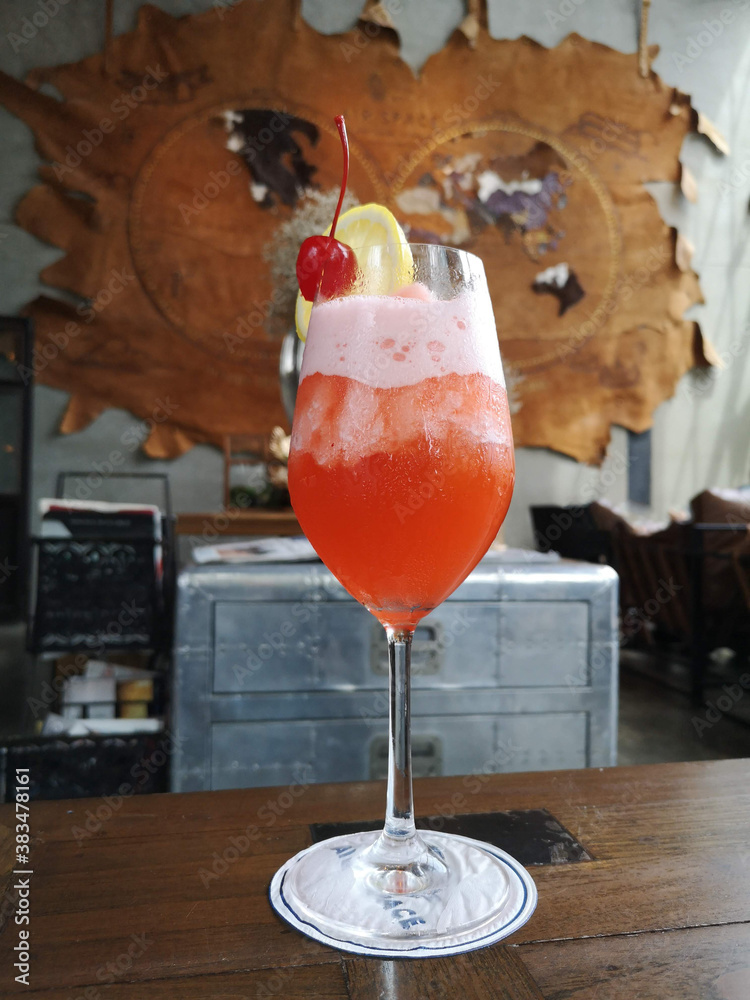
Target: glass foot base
[474, 895]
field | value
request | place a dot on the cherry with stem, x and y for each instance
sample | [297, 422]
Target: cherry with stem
[325, 263]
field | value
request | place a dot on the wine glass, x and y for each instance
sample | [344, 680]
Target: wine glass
[401, 471]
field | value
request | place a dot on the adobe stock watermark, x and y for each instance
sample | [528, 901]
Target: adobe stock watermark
[601, 134]
[59, 341]
[738, 178]
[219, 523]
[656, 258]
[219, 180]
[8, 904]
[131, 440]
[710, 30]
[7, 569]
[455, 115]
[117, 967]
[224, 7]
[139, 775]
[720, 706]
[278, 980]
[351, 48]
[701, 380]
[600, 658]
[614, 469]
[420, 495]
[29, 27]
[269, 814]
[121, 108]
[377, 711]
[564, 10]
[273, 642]
[591, 819]
[505, 752]
[245, 326]
[636, 619]
[459, 802]
[50, 690]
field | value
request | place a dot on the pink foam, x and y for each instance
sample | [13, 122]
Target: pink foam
[389, 341]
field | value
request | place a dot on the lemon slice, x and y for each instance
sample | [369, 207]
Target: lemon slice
[302, 316]
[367, 226]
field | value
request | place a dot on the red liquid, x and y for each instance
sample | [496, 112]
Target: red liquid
[408, 506]
[403, 524]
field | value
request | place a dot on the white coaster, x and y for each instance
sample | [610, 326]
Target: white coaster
[487, 897]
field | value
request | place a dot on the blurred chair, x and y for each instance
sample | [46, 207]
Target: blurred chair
[685, 585]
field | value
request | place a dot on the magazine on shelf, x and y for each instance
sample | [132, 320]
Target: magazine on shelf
[259, 550]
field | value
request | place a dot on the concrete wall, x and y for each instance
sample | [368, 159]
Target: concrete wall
[701, 437]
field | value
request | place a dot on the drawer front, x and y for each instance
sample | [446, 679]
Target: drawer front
[275, 646]
[544, 643]
[258, 754]
[272, 646]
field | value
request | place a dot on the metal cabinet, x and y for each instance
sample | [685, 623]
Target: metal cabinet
[279, 673]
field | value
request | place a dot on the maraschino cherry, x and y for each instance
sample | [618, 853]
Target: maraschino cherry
[324, 262]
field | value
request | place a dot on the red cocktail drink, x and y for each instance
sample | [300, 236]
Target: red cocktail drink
[401, 471]
[403, 514]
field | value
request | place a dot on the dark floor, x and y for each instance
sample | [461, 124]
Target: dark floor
[655, 723]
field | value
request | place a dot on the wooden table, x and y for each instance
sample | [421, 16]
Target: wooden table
[662, 912]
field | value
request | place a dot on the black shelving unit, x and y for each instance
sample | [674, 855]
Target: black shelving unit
[104, 594]
[16, 388]
[99, 592]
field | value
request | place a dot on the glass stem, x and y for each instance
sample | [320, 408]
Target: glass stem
[399, 816]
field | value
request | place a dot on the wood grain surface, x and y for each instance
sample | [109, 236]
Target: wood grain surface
[165, 895]
[493, 972]
[700, 963]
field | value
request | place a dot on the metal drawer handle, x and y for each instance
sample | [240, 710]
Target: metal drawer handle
[426, 651]
[426, 753]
